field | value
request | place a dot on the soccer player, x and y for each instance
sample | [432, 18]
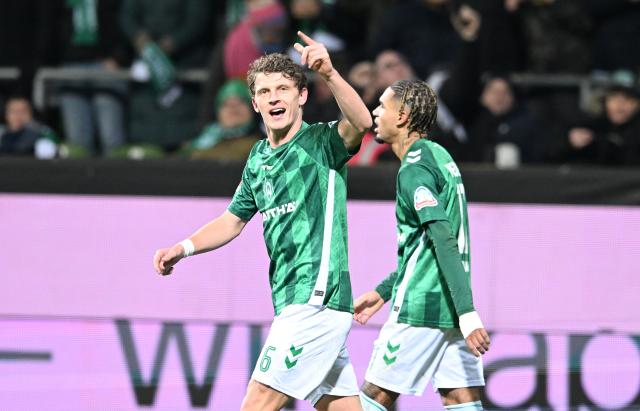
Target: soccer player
[433, 331]
[296, 179]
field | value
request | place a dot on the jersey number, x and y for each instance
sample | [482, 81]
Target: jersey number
[463, 241]
[265, 363]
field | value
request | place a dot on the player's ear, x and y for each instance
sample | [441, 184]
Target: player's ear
[403, 118]
[255, 106]
[304, 93]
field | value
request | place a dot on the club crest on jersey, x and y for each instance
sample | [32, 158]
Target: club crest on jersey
[267, 189]
[422, 198]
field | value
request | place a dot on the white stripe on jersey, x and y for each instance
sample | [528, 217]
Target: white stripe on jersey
[320, 288]
[408, 273]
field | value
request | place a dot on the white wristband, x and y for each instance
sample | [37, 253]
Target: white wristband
[188, 247]
[469, 322]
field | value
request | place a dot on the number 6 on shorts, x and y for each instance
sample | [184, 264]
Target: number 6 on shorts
[265, 363]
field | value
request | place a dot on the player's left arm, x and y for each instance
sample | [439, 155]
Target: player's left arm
[450, 262]
[356, 117]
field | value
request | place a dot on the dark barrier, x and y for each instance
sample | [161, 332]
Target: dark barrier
[545, 185]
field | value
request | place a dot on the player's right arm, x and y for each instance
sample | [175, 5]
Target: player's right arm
[356, 117]
[370, 302]
[212, 235]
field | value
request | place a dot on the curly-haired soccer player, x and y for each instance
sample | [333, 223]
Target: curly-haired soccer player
[433, 331]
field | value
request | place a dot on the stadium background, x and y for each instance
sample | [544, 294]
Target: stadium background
[85, 323]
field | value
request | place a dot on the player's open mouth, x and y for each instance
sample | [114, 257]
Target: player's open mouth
[277, 113]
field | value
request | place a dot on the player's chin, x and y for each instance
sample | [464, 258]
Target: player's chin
[378, 139]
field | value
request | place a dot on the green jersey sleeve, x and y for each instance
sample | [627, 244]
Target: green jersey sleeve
[333, 145]
[243, 204]
[450, 263]
[419, 188]
[385, 288]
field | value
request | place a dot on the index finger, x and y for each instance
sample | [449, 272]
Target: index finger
[306, 38]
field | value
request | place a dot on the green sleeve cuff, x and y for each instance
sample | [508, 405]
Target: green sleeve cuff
[385, 288]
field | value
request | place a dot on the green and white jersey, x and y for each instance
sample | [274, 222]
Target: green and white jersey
[429, 188]
[300, 190]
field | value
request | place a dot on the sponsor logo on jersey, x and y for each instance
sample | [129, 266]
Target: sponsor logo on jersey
[279, 210]
[422, 198]
[267, 189]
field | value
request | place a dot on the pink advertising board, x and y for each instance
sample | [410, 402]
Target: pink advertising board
[85, 323]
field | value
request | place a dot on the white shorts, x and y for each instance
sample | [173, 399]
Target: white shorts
[405, 358]
[305, 355]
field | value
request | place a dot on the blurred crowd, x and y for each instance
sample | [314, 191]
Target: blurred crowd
[472, 52]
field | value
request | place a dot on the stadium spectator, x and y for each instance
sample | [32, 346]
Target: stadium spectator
[23, 136]
[325, 20]
[262, 31]
[235, 131]
[85, 34]
[503, 124]
[418, 29]
[391, 66]
[617, 34]
[19, 44]
[362, 77]
[486, 34]
[556, 35]
[613, 138]
[167, 35]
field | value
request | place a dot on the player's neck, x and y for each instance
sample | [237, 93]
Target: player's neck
[402, 144]
[277, 138]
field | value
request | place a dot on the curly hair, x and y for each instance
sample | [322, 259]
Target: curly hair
[276, 63]
[422, 102]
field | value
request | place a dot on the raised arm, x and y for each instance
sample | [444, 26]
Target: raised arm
[356, 117]
[212, 235]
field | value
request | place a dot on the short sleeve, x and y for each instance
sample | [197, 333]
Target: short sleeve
[243, 204]
[419, 190]
[333, 145]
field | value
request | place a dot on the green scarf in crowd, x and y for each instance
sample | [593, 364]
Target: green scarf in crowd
[85, 22]
[163, 74]
[215, 133]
